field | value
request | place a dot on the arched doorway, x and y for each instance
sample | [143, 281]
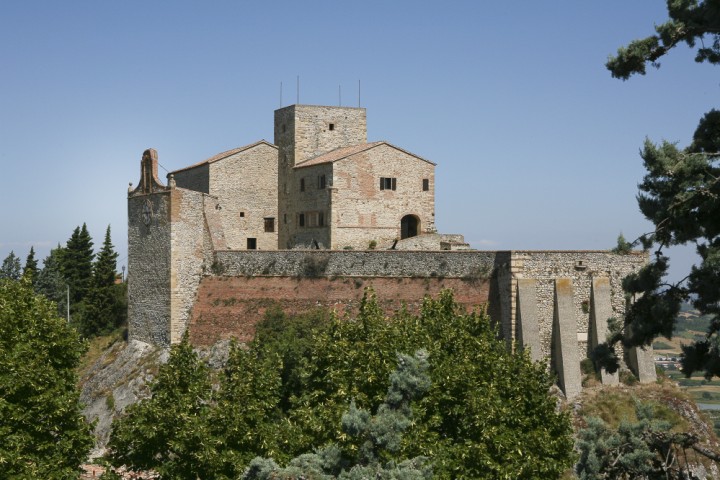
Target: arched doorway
[409, 226]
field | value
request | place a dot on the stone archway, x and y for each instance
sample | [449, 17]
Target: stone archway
[409, 226]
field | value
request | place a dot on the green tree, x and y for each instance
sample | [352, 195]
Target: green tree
[50, 281]
[77, 265]
[379, 434]
[31, 267]
[43, 432]
[11, 268]
[680, 196]
[104, 303]
[486, 415]
[642, 449]
[168, 432]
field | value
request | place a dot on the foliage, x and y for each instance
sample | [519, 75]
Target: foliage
[50, 281]
[634, 450]
[77, 265]
[168, 433]
[680, 196]
[106, 305]
[690, 21]
[11, 268]
[487, 413]
[30, 270]
[44, 434]
[380, 436]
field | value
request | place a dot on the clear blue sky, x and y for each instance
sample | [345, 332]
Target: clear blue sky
[536, 145]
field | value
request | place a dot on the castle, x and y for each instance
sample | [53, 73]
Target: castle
[310, 219]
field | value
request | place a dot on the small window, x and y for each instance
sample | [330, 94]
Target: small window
[301, 220]
[315, 219]
[269, 224]
[321, 181]
[388, 183]
[283, 128]
[331, 127]
[285, 218]
[302, 184]
[252, 243]
[242, 214]
[426, 184]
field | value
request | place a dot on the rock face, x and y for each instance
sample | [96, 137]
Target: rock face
[119, 378]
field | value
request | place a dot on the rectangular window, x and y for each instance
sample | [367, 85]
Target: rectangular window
[269, 224]
[426, 184]
[252, 244]
[315, 219]
[321, 181]
[388, 183]
[302, 184]
[301, 220]
[285, 218]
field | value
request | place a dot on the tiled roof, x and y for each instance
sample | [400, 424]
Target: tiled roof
[344, 152]
[222, 155]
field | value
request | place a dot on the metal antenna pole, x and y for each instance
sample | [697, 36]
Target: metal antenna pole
[339, 95]
[298, 90]
[68, 303]
[358, 93]
[280, 95]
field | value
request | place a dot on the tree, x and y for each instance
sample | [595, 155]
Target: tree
[168, 432]
[680, 196]
[50, 281]
[690, 21]
[104, 303]
[31, 267]
[77, 265]
[44, 434]
[642, 449]
[11, 268]
[380, 436]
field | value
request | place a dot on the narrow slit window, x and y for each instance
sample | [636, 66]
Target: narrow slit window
[321, 181]
[426, 184]
[301, 220]
[302, 184]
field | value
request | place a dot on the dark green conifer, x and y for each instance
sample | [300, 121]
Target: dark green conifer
[11, 268]
[31, 267]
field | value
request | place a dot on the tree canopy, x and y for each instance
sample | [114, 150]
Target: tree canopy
[680, 195]
[43, 432]
[486, 414]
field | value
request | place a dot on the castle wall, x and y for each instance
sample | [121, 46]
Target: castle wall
[311, 202]
[303, 132]
[149, 260]
[190, 255]
[194, 178]
[580, 267]
[362, 212]
[246, 185]
[232, 306]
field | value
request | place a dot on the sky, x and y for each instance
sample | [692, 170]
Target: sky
[536, 146]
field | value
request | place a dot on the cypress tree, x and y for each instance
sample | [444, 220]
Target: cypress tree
[77, 265]
[103, 309]
[50, 281]
[31, 267]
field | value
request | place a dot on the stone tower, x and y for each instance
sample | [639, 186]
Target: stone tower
[303, 132]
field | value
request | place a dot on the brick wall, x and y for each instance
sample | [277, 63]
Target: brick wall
[231, 306]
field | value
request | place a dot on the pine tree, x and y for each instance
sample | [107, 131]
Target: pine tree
[103, 310]
[31, 267]
[11, 268]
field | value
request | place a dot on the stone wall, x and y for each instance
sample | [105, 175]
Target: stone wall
[149, 260]
[362, 212]
[580, 267]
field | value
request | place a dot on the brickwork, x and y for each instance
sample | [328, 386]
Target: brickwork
[231, 306]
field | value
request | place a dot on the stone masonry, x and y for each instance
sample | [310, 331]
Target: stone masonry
[204, 258]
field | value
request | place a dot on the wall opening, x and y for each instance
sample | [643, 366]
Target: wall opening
[409, 226]
[252, 243]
